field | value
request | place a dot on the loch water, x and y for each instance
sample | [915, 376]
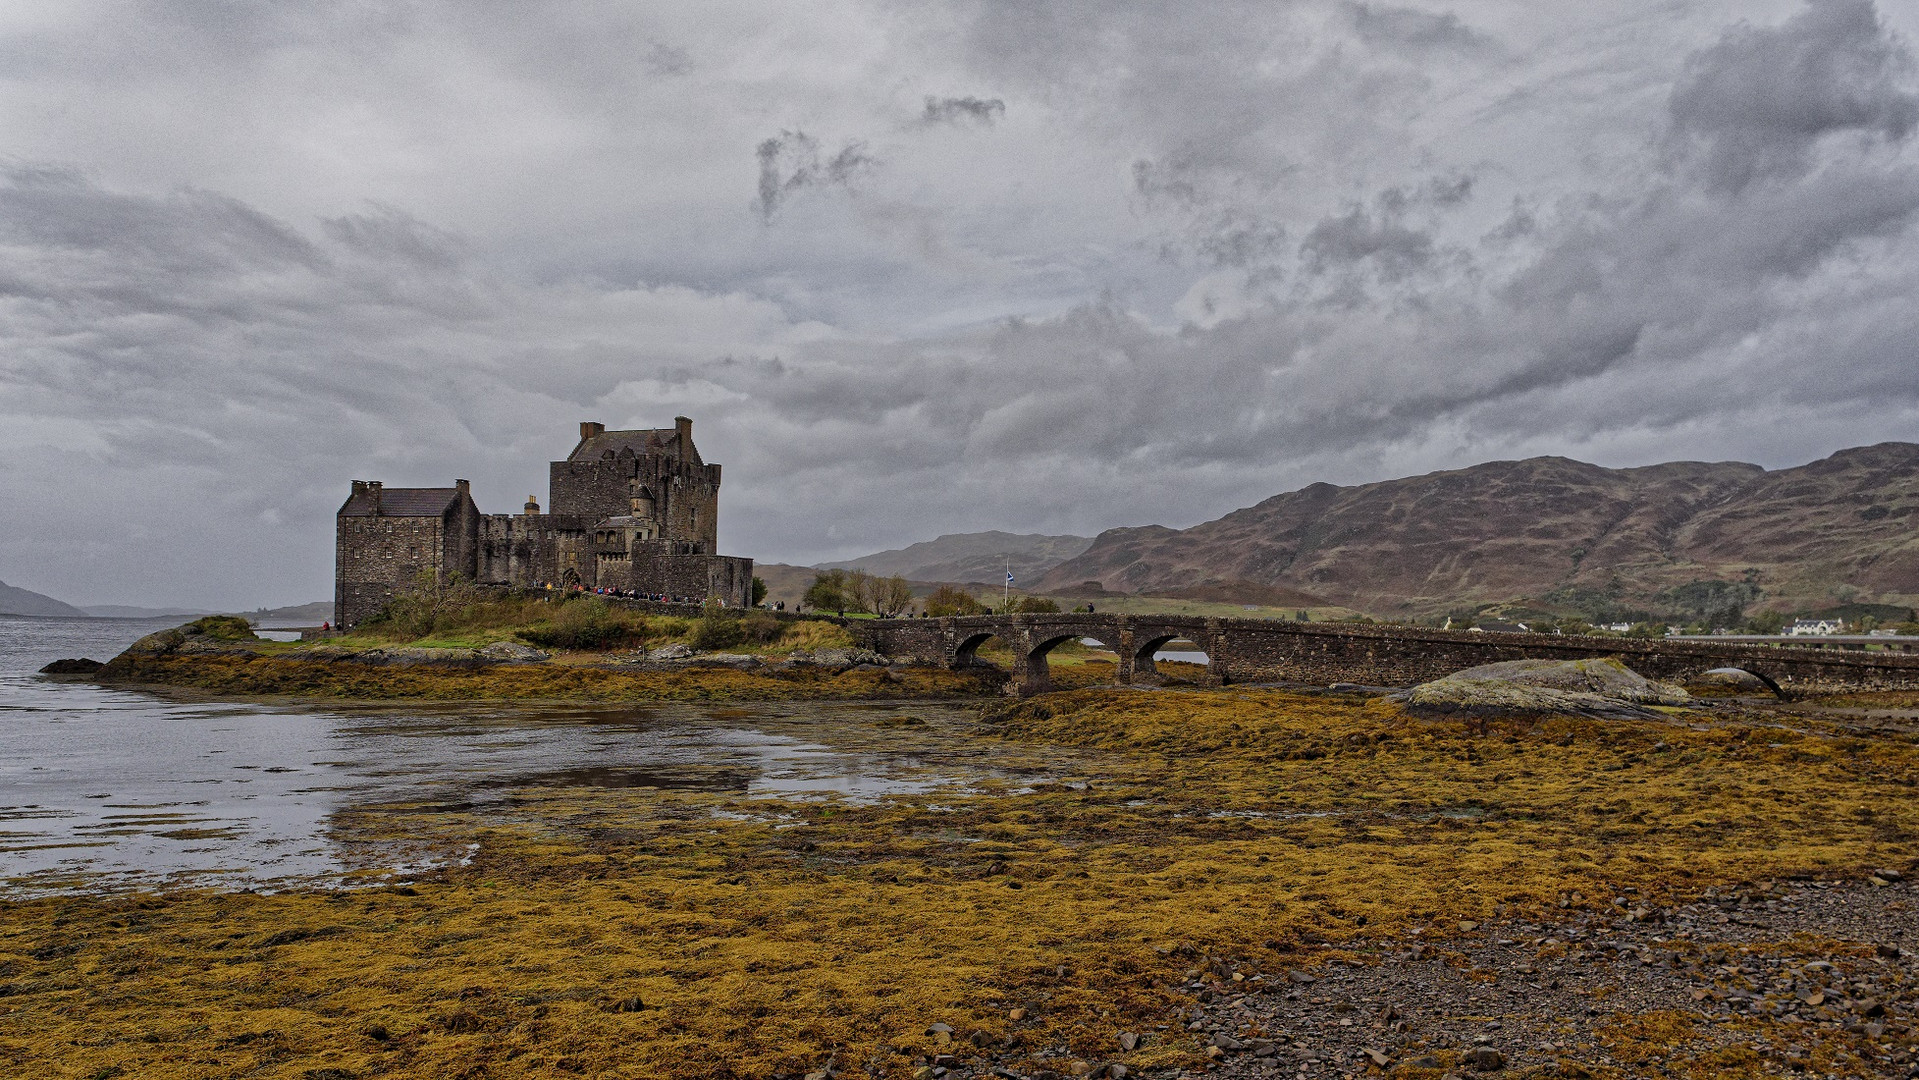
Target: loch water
[105, 788]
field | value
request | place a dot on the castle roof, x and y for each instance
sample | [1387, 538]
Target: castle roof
[639, 440]
[400, 502]
[674, 443]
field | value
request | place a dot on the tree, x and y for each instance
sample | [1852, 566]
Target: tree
[949, 600]
[1766, 622]
[828, 592]
[759, 591]
[1032, 604]
[860, 592]
[888, 597]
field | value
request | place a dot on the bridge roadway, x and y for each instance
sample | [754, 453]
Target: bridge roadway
[1265, 650]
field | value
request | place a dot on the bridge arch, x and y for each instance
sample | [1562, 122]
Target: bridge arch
[966, 650]
[1149, 640]
[1757, 672]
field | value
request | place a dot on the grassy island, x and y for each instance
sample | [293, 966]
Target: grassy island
[555, 647]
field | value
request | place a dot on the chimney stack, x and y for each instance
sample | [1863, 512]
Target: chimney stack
[463, 488]
[373, 490]
[532, 505]
[684, 429]
[588, 429]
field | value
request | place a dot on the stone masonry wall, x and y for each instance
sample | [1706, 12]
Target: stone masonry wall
[686, 497]
[374, 557]
[721, 576]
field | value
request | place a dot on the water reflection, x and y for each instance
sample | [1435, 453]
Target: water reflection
[104, 785]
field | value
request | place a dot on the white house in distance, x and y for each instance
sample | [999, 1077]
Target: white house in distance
[1816, 626]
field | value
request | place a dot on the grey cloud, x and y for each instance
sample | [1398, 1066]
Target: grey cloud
[952, 110]
[1383, 24]
[669, 60]
[791, 161]
[1361, 236]
[1756, 105]
[173, 355]
[1380, 237]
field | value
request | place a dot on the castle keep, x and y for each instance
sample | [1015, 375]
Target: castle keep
[634, 510]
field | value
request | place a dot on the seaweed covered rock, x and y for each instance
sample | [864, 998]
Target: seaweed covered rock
[81, 666]
[512, 652]
[1602, 687]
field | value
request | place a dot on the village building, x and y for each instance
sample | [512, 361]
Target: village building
[629, 510]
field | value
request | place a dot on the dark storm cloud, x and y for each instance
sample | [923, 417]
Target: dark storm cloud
[791, 160]
[1757, 105]
[950, 110]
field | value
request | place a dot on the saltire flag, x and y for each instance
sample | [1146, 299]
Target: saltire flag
[1009, 577]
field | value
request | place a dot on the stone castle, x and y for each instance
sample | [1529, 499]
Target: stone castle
[630, 510]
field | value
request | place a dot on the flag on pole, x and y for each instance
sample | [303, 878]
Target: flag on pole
[1009, 577]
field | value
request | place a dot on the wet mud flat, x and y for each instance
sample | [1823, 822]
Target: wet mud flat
[1076, 873]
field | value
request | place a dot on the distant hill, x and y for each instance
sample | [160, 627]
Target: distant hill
[18, 601]
[972, 557]
[312, 614]
[124, 611]
[1563, 533]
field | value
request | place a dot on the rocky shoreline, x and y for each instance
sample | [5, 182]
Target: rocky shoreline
[183, 657]
[1811, 978]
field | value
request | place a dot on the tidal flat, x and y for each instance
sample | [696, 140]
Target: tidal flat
[1088, 881]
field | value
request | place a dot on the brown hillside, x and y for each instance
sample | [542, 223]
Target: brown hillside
[1835, 530]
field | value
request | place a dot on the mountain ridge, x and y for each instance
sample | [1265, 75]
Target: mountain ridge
[1835, 529]
[981, 557]
[17, 601]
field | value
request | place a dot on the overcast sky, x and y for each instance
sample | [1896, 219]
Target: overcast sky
[920, 266]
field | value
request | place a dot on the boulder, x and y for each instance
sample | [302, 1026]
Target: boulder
[512, 652]
[845, 658]
[1603, 687]
[675, 651]
[738, 661]
[1725, 681]
[405, 656]
[82, 666]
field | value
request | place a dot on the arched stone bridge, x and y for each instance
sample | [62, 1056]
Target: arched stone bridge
[1264, 650]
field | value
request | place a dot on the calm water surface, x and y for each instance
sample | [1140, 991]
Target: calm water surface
[108, 788]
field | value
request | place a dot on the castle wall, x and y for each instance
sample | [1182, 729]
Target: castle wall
[375, 557]
[522, 549]
[695, 577]
[686, 496]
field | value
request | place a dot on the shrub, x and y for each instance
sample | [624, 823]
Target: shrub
[1034, 604]
[590, 623]
[222, 627]
[950, 600]
[718, 630]
[759, 628]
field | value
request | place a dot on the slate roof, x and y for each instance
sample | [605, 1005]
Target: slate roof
[641, 440]
[401, 502]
